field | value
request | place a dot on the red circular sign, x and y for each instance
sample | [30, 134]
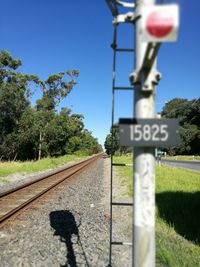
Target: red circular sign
[159, 24]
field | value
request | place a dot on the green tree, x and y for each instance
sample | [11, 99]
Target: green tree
[108, 144]
[59, 131]
[54, 90]
[15, 90]
[89, 143]
[111, 143]
[188, 114]
[28, 132]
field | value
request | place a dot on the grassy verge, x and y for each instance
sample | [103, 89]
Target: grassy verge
[8, 168]
[177, 214]
[126, 173]
[182, 157]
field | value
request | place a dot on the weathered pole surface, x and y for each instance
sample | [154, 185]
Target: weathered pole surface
[144, 164]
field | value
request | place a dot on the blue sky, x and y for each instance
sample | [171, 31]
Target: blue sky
[50, 36]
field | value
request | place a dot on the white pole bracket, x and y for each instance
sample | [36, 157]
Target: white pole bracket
[146, 79]
[129, 17]
[125, 4]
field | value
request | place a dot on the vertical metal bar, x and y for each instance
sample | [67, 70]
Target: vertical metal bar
[114, 45]
[144, 167]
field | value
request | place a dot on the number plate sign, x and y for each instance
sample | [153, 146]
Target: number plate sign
[149, 132]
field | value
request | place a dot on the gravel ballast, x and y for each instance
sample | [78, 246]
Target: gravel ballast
[70, 227]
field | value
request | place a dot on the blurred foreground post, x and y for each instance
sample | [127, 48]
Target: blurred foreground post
[144, 159]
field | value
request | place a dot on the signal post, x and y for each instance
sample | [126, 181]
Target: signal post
[154, 24]
[144, 159]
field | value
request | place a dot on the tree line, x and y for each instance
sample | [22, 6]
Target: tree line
[33, 132]
[188, 114]
[112, 145]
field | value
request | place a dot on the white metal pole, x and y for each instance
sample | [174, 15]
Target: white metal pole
[144, 166]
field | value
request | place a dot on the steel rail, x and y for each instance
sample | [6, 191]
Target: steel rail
[12, 202]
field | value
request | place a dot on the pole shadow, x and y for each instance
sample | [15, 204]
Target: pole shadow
[65, 226]
[182, 211]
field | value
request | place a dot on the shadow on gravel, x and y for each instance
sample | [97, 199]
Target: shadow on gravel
[181, 210]
[64, 224]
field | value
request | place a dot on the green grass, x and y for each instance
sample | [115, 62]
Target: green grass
[8, 168]
[177, 214]
[126, 173]
[183, 157]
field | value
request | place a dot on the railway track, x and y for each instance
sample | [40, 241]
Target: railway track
[16, 200]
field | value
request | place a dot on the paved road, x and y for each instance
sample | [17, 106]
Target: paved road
[192, 165]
